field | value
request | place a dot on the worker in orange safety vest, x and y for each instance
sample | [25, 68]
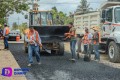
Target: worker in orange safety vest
[96, 41]
[34, 41]
[87, 39]
[6, 32]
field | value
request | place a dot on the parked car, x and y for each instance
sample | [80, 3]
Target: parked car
[13, 34]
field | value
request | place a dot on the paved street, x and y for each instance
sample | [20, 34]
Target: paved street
[60, 68]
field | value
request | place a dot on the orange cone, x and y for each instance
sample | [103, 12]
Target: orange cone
[18, 38]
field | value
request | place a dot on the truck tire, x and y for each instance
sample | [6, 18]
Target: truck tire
[61, 49]
[114, 52]
[26, 50]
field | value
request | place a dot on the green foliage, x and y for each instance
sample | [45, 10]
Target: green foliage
[21, 27]
[2, 21]
[68, 20]
[10, 6]
[60, 18]
[14, 26]
[83, 7]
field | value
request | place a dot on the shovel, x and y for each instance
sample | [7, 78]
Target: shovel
[49, 51]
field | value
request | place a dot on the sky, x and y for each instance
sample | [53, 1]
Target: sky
[62, 5]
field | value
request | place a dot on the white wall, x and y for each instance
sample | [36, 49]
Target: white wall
[86, 20]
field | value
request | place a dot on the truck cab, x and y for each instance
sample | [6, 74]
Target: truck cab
[40, 18]
[52, 36]
[110, 20]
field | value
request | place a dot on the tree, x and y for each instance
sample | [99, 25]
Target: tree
[14, 26]
[23, 27]
[54, 8]
[20, 27]
[69, 18]
[59, 18]
[83, 7]
[8, 7]
[55, 15]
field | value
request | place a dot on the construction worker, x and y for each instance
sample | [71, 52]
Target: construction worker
[1, 32]
[87, 44]
[72, 36]
[6, 32]
[87, 39]
[34, 42]
[79, 40]
[96, 41]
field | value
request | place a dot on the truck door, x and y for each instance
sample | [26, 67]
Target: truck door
[108, 22]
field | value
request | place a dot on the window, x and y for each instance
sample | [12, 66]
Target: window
[103, 14]
[34, 19]
[109, 15]
[31, 19]
[117, 15]
[44, 18]
[41, 18]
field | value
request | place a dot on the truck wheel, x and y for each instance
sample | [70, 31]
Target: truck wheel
[114, 52]
[26, 50]
[61, 49]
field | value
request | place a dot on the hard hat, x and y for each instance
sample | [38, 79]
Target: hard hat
[95, 28]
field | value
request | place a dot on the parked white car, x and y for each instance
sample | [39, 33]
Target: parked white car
[13, 34]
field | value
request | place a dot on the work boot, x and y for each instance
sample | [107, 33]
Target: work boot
[39, 63]
[29, 65]
[74, 60]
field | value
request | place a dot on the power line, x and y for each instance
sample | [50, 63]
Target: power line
[69, 2]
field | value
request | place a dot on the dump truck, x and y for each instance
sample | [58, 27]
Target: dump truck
[108, 19]
[52, 35]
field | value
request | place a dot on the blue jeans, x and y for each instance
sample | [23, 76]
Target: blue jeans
[72, 47]
[32, 48]
[96, 51]
[6, 42]
[85, 48]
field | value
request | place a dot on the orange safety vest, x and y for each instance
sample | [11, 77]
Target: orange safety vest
[86, 40]
[34, 36]
[7, 31]
[99, 40]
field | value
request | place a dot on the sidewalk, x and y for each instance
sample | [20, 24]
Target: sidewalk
[8, 60]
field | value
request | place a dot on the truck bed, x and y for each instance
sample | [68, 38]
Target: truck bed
[52, 33]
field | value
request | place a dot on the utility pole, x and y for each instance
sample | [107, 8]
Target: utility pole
[6, 18]
[35, 5]
[18, 21]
